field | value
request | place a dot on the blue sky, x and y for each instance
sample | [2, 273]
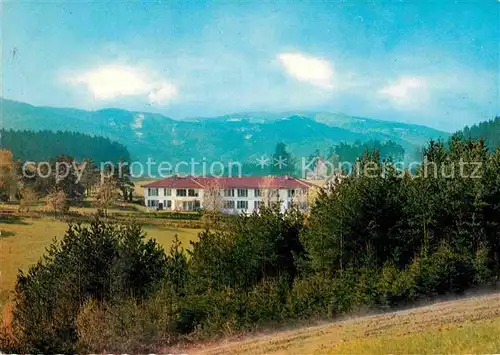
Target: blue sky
[431, 63]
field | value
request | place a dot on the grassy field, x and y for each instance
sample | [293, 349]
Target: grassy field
[462, 326]
[23, 241]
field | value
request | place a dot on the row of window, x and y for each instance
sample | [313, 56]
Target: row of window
[186, 192]
[241, 192]
[179, 192]
[241, 205]
[227, 192]
[258, 193]
[167, 204]
[156, 203]
[194, 205]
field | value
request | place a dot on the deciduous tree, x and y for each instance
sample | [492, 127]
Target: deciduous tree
[212, 203]
[106, 194]
[57, 202]
[29, 198]
[8, 175]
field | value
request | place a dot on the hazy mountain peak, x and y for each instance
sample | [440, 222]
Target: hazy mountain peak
[234, 136]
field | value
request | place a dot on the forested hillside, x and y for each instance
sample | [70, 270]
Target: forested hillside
[46, 145]
[488, 130]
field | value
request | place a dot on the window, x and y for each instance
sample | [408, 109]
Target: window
[242, 205]
[181, 192]
[168, 203]
[153, 192]
[167, 192]
[229, 205]
[256, 205]
[191, 205]
[192, 192]
[242, 192]
[291, 193]
[153, 203]
[256, 192]
[228, 192]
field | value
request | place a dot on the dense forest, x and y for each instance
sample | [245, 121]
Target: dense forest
[376, 239]
[47, 145]
[351, 152]
[340, 153]
[489, 131]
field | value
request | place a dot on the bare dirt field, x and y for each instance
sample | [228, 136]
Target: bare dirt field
[466, 325]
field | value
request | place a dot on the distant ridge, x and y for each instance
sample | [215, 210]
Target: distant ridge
[236, 137]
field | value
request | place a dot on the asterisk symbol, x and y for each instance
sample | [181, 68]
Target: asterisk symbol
[263, 161]
[280, 162]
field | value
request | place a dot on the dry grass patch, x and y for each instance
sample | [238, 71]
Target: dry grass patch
[469, 337]
[462, 326]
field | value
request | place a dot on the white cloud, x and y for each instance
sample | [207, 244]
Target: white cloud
[108, 82]
[405, 91]
[309, 69]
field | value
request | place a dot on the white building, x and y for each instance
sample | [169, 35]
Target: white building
[230, 195]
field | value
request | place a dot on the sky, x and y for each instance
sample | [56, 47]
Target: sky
[434, 63]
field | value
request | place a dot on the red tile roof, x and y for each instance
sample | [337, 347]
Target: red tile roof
[254, 182]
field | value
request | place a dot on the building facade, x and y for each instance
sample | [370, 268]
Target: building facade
[229, 195]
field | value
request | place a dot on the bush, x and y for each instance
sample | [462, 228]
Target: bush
[127, 326]
[397, 286]
[482, 267]
[226, 310]
[366, 290]
[318, 296]
[445, 271]
[267, 302]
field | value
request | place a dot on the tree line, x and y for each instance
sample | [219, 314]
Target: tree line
[488, 130]
[62, 182]
[46, 145]
[377, 240]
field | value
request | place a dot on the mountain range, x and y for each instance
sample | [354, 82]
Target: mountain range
[232, 137]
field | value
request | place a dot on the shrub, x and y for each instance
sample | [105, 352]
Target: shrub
[366, 290]
[397, 286]
[127, 326]
[267, 302]
[482, 267]
[316, 296]
[443, 272]
[176, 271]
[227, 310]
